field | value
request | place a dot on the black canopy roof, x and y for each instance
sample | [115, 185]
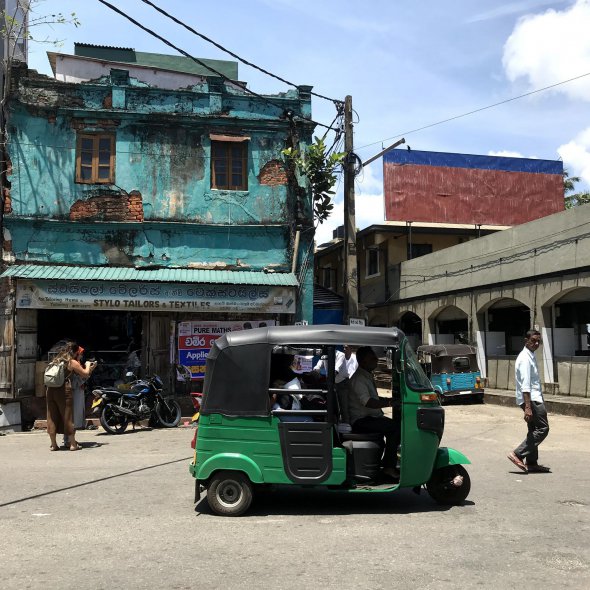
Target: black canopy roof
[328, 334]
[238, 365]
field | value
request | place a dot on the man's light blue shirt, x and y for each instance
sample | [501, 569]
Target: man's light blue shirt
[527, 377]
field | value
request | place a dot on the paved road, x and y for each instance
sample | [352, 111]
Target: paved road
[119, 514]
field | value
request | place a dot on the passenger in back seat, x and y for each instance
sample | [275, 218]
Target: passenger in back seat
[365, 407]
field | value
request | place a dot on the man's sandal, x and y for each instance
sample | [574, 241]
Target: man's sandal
[512, 457]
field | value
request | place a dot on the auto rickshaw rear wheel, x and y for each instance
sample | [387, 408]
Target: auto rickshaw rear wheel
[443, 487]
[229, 493]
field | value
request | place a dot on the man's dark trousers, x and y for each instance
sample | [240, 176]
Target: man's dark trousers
[538, 430]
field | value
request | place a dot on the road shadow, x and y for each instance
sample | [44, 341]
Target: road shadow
[92, 482]
[127, 432]
[293, 501]
[462, 401]
[92, 444]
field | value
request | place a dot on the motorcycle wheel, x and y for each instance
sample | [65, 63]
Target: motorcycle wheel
[168, 413]
[111, 422]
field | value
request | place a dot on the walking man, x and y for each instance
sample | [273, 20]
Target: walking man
[530, 398]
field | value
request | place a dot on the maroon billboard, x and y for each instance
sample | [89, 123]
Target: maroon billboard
[461, 188]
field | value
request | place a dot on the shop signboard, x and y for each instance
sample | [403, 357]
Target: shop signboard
[139, 296]
[195, 338]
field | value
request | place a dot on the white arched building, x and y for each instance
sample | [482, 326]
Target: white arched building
[490, 291]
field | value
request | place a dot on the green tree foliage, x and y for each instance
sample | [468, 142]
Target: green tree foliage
[573, 199]
[320, 168]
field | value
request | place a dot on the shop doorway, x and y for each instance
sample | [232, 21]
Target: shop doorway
[451, 326]
[113, 338]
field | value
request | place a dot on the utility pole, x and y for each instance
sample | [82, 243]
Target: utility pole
[350, 262]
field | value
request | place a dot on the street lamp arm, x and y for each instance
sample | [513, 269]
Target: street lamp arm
[402, 140]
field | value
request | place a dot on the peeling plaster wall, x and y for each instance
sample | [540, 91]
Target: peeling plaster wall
[162, 175]
[153, 244]
[162, 145]
[168, 165]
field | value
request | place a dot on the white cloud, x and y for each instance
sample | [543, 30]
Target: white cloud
[505, 154]
[369, 206]
[369, 198]
[323, 233]
[576, 156]
[508, 10]
[551, 47]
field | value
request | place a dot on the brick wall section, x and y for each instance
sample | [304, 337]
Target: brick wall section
[273, 173]
[109, 208]
[7, 201]
[7, 198]
[135, 206]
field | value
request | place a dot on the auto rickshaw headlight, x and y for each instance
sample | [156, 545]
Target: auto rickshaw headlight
[428, 397]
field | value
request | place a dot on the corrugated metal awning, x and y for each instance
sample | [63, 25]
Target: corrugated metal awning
[159, 275]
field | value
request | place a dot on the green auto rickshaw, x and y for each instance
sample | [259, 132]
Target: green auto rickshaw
[243, 444]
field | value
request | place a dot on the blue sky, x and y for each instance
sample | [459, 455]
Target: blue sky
[405, 64]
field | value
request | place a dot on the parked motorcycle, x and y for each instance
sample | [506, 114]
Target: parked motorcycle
[144, 400]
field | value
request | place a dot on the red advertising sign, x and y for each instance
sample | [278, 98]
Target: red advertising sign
[195, 339]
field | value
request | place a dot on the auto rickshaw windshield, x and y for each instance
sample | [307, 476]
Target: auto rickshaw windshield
[415, 377]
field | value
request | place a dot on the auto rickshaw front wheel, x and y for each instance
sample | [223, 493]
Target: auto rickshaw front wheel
[449, 485]
[229, 493]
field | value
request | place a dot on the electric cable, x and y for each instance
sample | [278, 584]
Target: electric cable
[225, 50]
[516, 257]
[542, 239]
[288, 113]
[476, 110]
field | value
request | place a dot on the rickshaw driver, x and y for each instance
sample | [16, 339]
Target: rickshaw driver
[365, 407]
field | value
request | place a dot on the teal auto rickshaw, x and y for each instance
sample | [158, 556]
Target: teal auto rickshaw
[452, 370]
[243, 444]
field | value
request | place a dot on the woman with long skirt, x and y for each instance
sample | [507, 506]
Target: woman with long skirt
[60, 406]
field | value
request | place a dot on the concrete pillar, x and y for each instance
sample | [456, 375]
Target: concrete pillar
[480, 339]
[547, 319]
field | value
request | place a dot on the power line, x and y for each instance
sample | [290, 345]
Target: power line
[540, 240]
[477, 110]
[200, 62]
[225, 50]
[503, 260]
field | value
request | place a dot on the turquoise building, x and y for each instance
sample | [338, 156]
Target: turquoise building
[148, 203]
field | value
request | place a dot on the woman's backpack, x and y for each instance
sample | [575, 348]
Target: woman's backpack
[55, 374]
